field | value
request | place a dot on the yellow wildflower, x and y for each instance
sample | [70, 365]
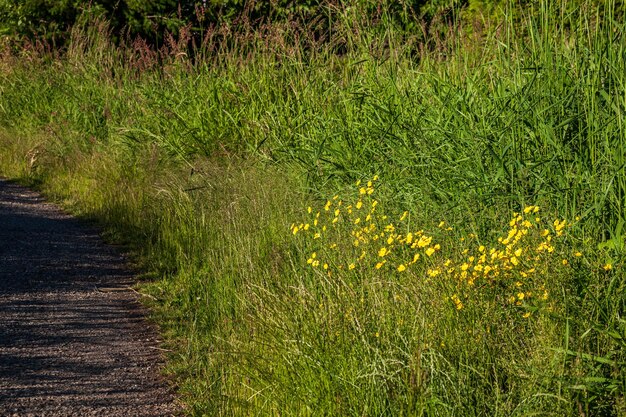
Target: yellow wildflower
[559, 225]
[457, 302]
[424, 241]
[433, 272]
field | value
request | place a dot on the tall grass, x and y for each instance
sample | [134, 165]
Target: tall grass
[218, 151]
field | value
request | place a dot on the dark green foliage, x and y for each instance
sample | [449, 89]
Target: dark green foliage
[51, 19]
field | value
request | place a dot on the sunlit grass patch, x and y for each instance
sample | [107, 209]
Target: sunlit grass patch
[349, 238]
[387, 303]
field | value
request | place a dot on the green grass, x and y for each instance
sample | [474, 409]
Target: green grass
[201, 167]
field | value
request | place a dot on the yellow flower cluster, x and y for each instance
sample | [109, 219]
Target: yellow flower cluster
[375, 239]
[356, 236]
[518, 264]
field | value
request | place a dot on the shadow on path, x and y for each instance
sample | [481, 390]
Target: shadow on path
[73, 338]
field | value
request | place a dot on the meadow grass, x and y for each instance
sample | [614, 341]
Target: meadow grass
[488, 277]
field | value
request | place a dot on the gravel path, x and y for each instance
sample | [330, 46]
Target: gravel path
[73, 337]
